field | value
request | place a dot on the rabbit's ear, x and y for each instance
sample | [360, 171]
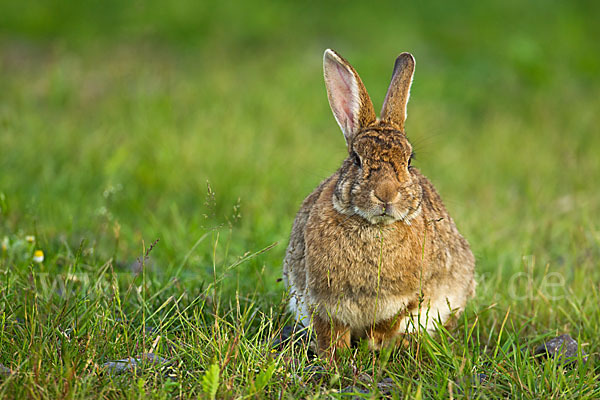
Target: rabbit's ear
[396, 99]
[348, 98]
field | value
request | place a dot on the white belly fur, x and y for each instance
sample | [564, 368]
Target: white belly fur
[431, 313]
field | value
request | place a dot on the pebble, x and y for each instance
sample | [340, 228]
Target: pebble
[5, 371]
[130, 364]
[564, 347]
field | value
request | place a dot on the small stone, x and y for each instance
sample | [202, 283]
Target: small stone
[564, 347]
[387, 386]
[5, 371]
[286, 334]
[130, 364]
[365, 378]
[314, 369]
[481, 378]
[316, 372]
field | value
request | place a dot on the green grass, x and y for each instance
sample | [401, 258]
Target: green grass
[114, 117]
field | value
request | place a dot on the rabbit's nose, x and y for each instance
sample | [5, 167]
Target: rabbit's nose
[386, 192]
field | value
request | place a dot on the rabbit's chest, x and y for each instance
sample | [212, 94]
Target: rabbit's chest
[362, 270]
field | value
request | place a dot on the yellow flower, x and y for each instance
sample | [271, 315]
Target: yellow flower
[30, 238]
[38, 256]
[5, 244]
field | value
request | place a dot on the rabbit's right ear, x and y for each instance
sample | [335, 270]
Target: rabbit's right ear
[348, 98]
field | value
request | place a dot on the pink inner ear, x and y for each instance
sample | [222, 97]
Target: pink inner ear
[344, 97]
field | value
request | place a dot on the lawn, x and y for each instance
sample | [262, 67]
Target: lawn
[157, 152]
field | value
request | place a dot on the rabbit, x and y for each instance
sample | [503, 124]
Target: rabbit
[373, 253]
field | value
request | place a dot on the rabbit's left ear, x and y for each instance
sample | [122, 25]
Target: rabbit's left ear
[348, 98]
[396, 99]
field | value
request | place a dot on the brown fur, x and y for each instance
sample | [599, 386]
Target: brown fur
[373, 245]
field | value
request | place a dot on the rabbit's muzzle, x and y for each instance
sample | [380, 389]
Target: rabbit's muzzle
[386, 200]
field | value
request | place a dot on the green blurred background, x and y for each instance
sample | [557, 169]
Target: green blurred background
[114, 115]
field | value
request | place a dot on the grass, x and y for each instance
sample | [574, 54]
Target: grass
[203, 126]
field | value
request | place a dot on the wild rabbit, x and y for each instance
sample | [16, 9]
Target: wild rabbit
[373, 252]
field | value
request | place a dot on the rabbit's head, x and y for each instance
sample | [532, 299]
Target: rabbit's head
[375, 181]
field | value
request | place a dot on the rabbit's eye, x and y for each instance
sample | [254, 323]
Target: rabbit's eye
[412, 155]
[356, 159]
